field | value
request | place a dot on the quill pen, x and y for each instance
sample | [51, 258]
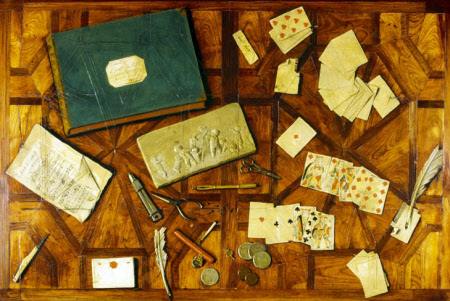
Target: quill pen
[429, 171]
[161, 257]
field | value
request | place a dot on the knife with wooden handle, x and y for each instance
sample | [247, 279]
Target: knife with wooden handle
[27, 260]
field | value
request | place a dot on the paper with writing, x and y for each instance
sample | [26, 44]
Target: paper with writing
[59, 174]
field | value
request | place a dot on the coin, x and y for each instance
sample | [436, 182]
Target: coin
[251, 279]
[244, 271]
[255, 248]
[243, 250]
[262, 260]
[210, 276]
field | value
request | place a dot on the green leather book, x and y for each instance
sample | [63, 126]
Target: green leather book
[125, 71]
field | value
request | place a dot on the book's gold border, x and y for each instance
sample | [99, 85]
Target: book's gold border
[58, 84]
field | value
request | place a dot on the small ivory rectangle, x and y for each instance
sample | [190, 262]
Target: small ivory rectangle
[243, 44]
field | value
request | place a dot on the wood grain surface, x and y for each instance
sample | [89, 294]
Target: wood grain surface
[405, 43]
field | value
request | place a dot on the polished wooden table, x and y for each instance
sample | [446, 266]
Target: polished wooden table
[405, 43]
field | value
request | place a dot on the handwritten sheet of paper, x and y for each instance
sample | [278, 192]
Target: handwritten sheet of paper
[243, 44]
[59, 174]
[296, 137]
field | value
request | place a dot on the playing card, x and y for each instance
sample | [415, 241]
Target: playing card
[331, 183]
[301, 216]
[346, 177]
[344, 51]
[336, 97]
[358, 186]
[320, 231]
[316, 167]
[271, 226]
[399, 223]
[365, 111]
[288, 79]
[374, 194]
[359, 101]
[385, 100]
[294, 139]
[286, 222]
[289, 43]
[342, 108]
[257, 219]
[331, 78]
[290, 23]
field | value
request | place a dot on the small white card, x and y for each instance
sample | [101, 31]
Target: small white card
[113, 272]
[296, 137]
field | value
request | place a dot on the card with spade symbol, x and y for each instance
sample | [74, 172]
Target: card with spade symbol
[279, 224]
[320, 231]
[301, 216]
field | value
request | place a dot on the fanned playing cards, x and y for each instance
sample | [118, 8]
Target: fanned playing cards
[289, 29]
[347, 95]
[352, 184]
[291, 223]
[368, 268]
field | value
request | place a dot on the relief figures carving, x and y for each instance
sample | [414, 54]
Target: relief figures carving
[197, 144]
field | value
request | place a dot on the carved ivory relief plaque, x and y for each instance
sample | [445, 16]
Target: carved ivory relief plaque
[113, 273]
[195, 145]
[126, 71]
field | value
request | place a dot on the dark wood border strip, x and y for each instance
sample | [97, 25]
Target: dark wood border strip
[435, 104]
[445, 248]
[5, 20]
[348, 6]
[413, 147]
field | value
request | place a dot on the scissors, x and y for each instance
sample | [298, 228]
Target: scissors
[253, 167]
[177, 203]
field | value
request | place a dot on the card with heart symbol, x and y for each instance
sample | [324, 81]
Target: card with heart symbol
[257, 219]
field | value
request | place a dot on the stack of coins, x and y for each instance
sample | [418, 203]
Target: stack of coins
[248, 276]
[256, 252]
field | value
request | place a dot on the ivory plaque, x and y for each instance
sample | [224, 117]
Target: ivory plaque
[195, 145]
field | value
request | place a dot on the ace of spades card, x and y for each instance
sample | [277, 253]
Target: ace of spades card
[301, 216]
[316, 168]
[320, 231]
[331, 183]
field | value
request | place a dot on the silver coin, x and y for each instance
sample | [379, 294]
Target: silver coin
[210, 276]
[255, 248]
[262, 260]
[243, 250]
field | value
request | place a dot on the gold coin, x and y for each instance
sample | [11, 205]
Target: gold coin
[210, 276]
[255, 248]
[262, 260]
[243, 250]
[244, 271]
[251, 279]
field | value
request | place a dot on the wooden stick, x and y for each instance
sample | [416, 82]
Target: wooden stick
[188, 242]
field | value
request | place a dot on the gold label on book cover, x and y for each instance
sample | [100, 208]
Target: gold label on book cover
[126, 71]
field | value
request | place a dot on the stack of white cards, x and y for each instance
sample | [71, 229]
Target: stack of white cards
[352, 184]
[291, 223]
[290, 29]
[344, 94]
[367, 267]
